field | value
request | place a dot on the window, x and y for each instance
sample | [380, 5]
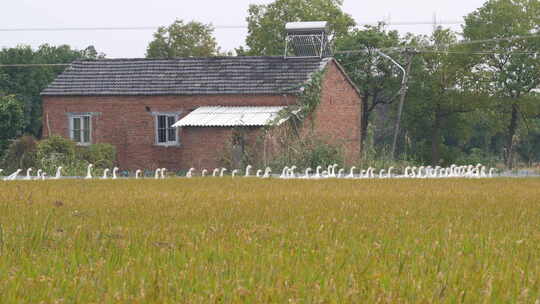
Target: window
[80, 126]
[166, 134]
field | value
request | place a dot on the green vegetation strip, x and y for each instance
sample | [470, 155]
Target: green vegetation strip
[249, 240]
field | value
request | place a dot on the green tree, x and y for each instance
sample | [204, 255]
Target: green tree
[377, 78]
[442, 91]
[26, 83]
[11, 120]
[507, 67]
[266, 23]
[193, 39]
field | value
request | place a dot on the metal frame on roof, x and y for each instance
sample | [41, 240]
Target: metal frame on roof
[307, 39]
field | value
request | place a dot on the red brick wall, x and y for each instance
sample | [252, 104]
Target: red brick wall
[337, 118]
[127, 122]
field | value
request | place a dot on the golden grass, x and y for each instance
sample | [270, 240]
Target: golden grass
[249, 240]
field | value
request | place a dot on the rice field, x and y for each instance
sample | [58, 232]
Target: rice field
[230, 240]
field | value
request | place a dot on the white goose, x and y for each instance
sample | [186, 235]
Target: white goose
[419, 173]
[369, 172]
[351, 172]
[234, 172]
[89, 171]
[105, 173]
[328, 171]
[363, 174]
[138, 173]
[222, 172]
[58, 173]
[38, 174]
[28, 174]
[413, 172]
[390, 172]
[284, 172]
[325, 174]
[334, 167]
[340, 173]
[307, 172]
[291, 172]
[248, 168]
[258, 173]
[318, 172]
[491, 171]
[157, 173]
[163, 173]
[267, 172]
[189, 174]
[215, 172]
[13, 176]
[204, 172]
[114, 171]
[406, 172]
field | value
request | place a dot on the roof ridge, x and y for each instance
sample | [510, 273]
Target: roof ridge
[202, 58]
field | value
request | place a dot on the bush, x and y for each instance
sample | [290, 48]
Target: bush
[382, 158]
[308, 153]
[101, 155]
[478, 156]
[56, 147]
[56, 151]
[21, 154]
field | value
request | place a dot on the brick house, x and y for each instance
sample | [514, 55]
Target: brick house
[134, 103]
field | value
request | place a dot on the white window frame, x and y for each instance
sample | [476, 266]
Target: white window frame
[168, 143]
[71, 117]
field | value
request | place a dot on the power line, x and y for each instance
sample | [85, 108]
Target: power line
[465, 42]
[154, 27]
[108, 28]
[26, 65]
[390, 49]
[478, 52]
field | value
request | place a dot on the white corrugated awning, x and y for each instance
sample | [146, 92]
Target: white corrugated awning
[220, 116]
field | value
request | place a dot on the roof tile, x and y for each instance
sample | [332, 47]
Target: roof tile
[184, 76]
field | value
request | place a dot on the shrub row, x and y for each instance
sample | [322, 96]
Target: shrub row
[52, 152]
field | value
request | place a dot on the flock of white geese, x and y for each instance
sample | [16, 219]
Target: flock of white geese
[331, 171]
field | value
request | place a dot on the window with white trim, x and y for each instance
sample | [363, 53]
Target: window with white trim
[166, 134]
[80, 129]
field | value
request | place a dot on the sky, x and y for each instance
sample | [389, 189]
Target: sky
[23, 14]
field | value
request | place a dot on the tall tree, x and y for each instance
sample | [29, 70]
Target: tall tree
[26, 82]
[442, 91]
[266, 22]
[377, 78]
[11, 120]
[193, 39]
[508, 61]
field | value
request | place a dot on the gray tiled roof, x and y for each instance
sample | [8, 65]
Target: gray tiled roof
[184, 76]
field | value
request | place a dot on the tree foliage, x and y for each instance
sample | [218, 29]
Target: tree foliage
[377, 78]
[441, 92]
[193, 39]
[510, 67]
[266, 23]
[11, 120]
[26, 83]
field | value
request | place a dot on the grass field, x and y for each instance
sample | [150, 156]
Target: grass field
[251, 240]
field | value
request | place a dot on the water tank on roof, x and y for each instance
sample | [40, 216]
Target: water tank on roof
[307, 39]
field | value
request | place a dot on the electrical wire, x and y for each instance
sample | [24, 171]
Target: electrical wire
[390, 49]
[465, 42]
[27, 65]
[154, 27]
